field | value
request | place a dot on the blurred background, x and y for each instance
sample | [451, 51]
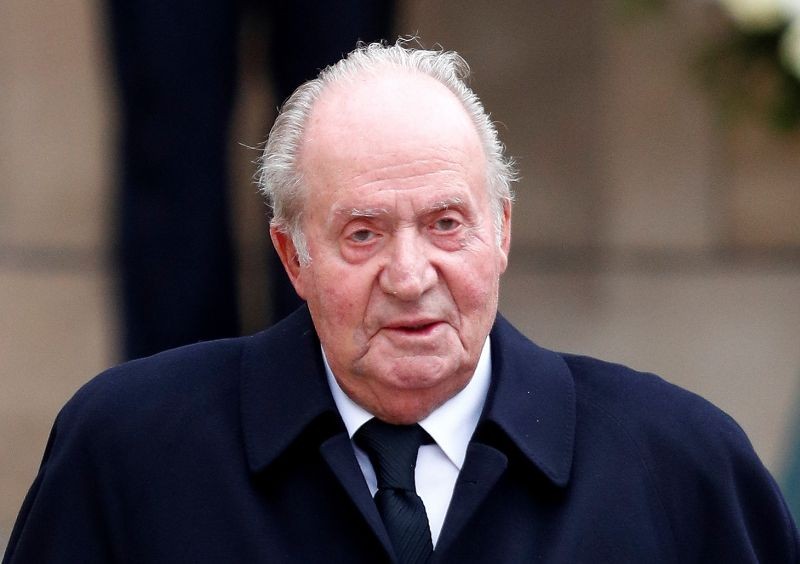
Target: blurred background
[657, 222]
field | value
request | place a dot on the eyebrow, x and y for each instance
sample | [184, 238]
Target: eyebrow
[443, 205]
[376, 212]
[362, 212]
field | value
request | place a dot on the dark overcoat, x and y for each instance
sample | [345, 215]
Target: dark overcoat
[233, 452]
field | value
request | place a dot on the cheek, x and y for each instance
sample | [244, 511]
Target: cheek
[471, 289]
[340, 294]
[474, 288]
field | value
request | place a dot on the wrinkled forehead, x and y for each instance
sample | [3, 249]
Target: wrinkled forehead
[386, 112]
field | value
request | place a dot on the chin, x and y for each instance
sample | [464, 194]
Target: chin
[405, 412]
[422, 369]
[406, 389]
[418, 373]
[412, 397]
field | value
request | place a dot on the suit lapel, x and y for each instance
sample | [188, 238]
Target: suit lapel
[283, 389]
[532, 403]
[338, 453]
[284, 395]
[483, 466]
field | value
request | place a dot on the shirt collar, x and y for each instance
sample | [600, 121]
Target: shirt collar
[451, 425]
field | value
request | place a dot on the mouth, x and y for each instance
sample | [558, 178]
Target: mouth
[414, 328]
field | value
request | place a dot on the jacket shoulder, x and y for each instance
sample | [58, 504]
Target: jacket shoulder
[705, 472]
[657, 415]
[171, 377]
[639, 399]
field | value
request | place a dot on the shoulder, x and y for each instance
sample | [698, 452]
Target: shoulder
[611, 393]
[177, 394]
[699, 461]
[142, 399]
[202, 368]
[680, 439]
[690, 459]
[651, 409]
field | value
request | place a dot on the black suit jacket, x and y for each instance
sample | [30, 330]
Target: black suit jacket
[233, 451]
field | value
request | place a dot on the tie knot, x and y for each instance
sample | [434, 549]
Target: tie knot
[392, 449]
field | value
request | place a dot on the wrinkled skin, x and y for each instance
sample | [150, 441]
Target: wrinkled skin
[405, 266]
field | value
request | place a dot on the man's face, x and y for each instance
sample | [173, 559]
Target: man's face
[405, 266]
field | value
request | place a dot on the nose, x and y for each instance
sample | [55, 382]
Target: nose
[408, 273]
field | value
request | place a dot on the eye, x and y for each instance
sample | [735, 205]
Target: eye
[362, 236]
[446, 224]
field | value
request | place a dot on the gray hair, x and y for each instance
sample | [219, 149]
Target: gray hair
[279, 178]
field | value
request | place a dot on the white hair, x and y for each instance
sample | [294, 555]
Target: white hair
[279, 178]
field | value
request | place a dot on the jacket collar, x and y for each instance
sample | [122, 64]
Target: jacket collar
[284, 392]
[532, 400]
[283, 388]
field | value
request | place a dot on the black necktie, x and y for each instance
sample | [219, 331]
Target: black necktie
[392, 449]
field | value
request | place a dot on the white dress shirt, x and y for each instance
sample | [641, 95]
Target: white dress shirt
[451, 426]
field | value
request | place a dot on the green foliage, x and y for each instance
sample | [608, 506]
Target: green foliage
[744, 72]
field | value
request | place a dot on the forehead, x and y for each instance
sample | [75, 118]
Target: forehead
[390, 131]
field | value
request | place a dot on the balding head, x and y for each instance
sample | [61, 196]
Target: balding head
[280, 177]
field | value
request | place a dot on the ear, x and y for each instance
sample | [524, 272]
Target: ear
[287, 252]
[505, 238]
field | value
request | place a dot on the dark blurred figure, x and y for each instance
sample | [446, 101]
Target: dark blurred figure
[176, 62]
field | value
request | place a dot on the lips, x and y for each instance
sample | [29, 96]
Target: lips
[414, 327]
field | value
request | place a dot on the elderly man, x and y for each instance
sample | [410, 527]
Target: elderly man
[397, 418]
